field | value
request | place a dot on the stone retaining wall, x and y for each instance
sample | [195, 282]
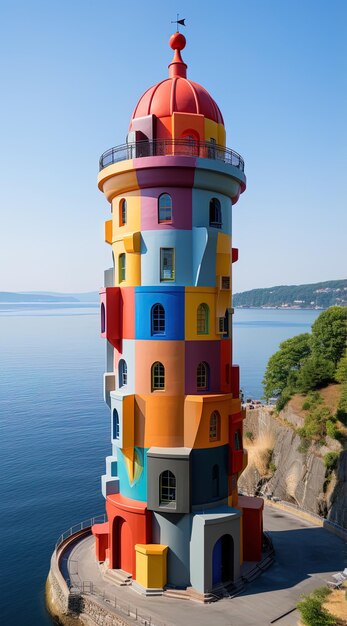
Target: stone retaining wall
[73, 609]
[101, 615]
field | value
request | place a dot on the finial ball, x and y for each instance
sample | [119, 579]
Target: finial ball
[177, 41]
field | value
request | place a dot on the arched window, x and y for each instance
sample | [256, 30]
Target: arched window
[123, 212]
[158, 376]
[214, 434]
[123, 373]
[202, 319]
[215, 213]
[121, 267]
[158, 319]
[167, 488]
[164, 208]
[115, 424]
[103, 318]
[202, 376]
[215, 481]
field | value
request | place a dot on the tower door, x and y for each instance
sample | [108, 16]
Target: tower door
[223, 560]
[123, 546]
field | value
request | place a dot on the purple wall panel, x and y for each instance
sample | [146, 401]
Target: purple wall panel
[195, 352]
[169, 171]
[181, 208]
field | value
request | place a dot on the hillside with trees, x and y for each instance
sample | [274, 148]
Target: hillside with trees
[297, 451]
[317, 295]
[310, 361]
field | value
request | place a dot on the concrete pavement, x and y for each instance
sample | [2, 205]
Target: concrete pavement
[306, 556]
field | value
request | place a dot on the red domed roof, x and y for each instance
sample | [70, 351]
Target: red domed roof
[177, 93]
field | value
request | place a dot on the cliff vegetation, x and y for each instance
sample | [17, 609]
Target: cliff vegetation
[297, 449]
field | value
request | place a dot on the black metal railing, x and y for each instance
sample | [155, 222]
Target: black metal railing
[171, 147]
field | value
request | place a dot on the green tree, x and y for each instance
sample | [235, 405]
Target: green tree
[341, 412]
[315, 372]
[284, 365]
[341, 370]
[315, 424]
[329, 334]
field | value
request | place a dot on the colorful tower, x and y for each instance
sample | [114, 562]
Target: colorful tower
[172, 505]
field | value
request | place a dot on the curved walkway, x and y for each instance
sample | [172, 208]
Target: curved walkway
[306, 556]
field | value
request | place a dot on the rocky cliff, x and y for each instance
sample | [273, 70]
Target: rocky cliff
[281, 466]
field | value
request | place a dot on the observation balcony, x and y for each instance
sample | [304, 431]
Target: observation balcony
[171, 147]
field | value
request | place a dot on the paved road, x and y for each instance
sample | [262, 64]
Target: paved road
[306, 556]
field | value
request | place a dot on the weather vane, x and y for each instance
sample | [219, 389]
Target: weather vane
[178, 22]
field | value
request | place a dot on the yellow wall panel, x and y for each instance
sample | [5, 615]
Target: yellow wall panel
[118, 178]
[133, 224]
[194, 296]
[223, 264]
[221, 135]
[133, 266]
[223, 243]
[211, 130]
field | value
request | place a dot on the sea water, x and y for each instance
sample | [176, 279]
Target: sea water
[55, 430]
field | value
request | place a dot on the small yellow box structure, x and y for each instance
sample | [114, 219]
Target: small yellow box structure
[151, 565]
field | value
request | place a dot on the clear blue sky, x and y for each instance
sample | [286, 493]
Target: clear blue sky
[72, 72]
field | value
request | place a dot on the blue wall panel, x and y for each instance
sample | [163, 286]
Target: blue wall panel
[172, 299]
[201, 210]
[151, 242]
[138, 489]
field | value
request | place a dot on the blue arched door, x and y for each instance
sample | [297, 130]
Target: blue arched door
[223, 560]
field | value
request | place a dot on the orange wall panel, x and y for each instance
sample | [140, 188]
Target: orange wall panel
[171, 355]
[214, 403]
[159, 421]
[197, 413]
[108, 231]
[182, 123]
[164, 128]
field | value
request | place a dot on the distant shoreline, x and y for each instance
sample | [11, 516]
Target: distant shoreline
[285, 308]
[94, 303]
